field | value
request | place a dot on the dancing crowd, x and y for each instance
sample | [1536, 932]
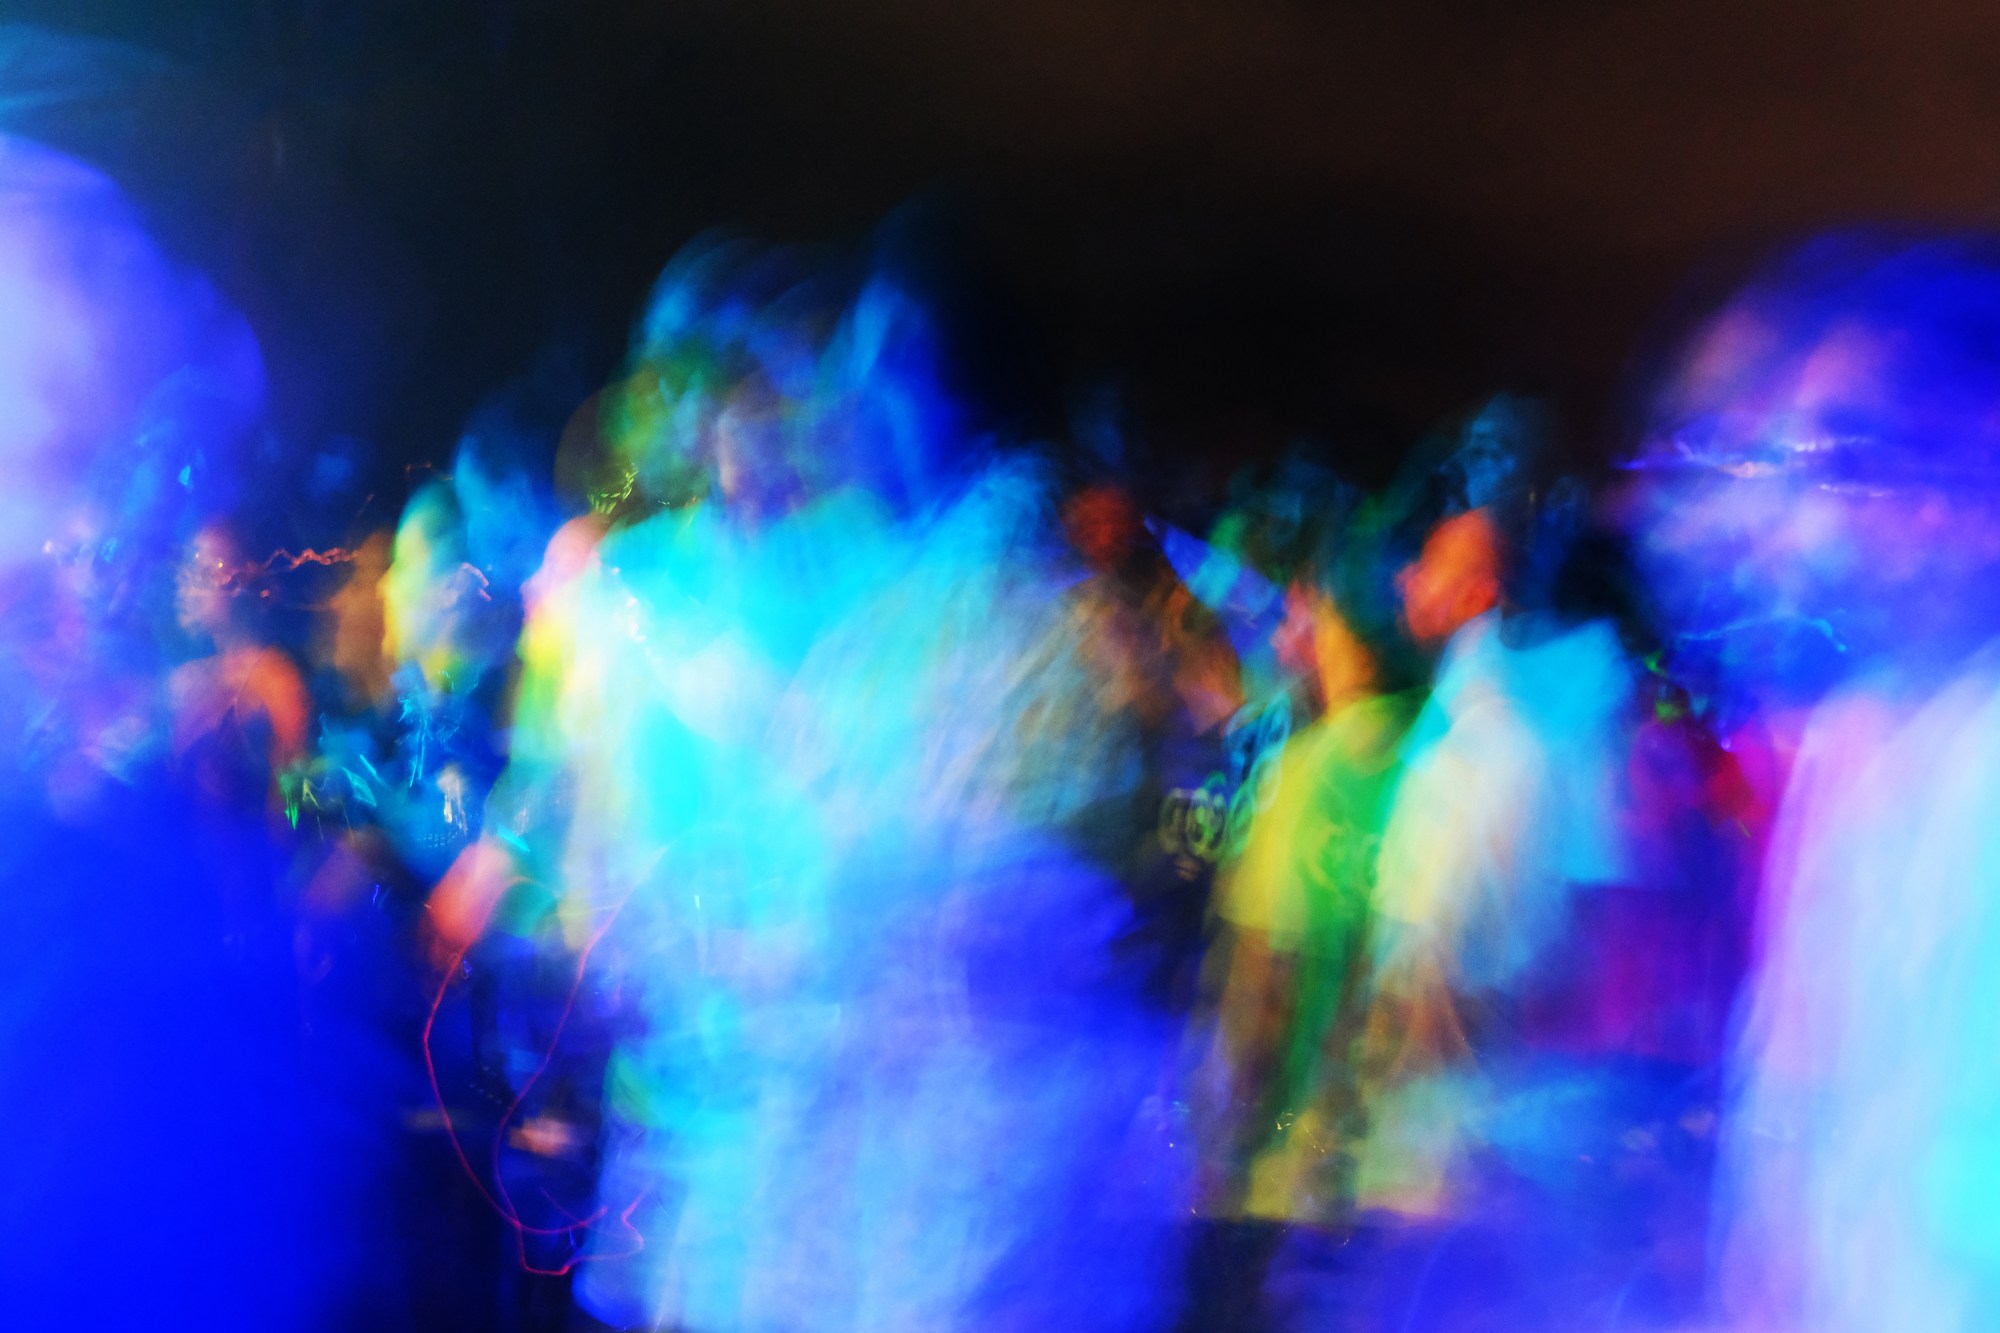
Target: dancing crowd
[806, 860]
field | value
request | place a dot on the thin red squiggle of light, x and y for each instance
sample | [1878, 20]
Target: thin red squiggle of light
[527, 1085]
[243, 577]
[338, 555]
[503, 1204]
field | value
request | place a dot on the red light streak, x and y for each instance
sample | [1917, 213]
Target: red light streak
[501, 1202]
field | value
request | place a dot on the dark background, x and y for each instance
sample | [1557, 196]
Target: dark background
[1258, 219]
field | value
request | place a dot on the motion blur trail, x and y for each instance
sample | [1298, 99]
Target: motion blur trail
[769, 853]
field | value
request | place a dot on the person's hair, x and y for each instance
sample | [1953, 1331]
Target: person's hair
[1355, 567]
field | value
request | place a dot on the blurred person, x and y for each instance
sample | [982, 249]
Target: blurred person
[153, 1132]
[353, 634]
[1482, 1116]
[448, 631]
[1815, 504]
[1163, 661]
[240, 714]
[804, 749]
[1294, 906]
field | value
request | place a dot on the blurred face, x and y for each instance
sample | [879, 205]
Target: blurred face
[1455, 578]
[1315, 643]
[1104, 525]
[1292, 641]
[201, 588]
[1779, 535]
[75, 553]
[751, 469]
[1342, 662]
[1486, 461]
[569, 556]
